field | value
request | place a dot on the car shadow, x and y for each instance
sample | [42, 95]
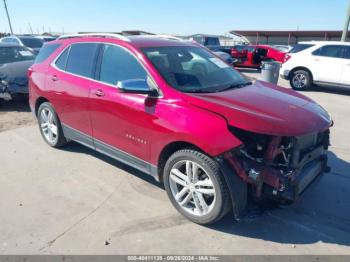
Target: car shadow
[331, 90]
[322, 214]
[77, 148]
[14, 105]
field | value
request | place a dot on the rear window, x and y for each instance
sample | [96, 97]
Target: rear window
[300, 47]
[32, 42]
[15, 54]
[45, 52]
[81, 59]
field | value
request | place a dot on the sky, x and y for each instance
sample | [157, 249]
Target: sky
[180, 17]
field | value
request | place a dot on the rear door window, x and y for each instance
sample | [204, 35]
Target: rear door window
[45, 52]
[300, 47]
[334, 51]
[81, 59]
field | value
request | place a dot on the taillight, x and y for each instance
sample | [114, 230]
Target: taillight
[286, 58]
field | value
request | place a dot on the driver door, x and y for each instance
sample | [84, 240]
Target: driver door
[121, 121]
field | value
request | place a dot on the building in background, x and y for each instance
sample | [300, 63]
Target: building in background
[286, 37]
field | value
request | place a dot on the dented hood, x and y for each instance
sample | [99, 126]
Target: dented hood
[265, 108]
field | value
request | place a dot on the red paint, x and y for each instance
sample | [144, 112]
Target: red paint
[120, 119]
[247, 59]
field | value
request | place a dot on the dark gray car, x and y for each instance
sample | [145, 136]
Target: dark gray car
[14, 63]
[32, 42]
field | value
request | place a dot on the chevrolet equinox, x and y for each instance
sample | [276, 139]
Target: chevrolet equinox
[177, 112]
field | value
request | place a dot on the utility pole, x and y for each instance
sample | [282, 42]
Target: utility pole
[8, 17]
[346, 25]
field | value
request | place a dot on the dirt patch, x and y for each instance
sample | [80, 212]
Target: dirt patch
[14, 114]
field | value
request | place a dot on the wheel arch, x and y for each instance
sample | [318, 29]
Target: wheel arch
[38, 102]
[170, 149]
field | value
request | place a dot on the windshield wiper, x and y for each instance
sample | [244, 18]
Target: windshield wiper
[196, 91]
[240, 85]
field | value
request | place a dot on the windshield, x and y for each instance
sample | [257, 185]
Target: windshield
[15, 54]
[194, 69]
[32, 42]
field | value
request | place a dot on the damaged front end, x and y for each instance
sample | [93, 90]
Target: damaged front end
[276, 166]
[4, 92]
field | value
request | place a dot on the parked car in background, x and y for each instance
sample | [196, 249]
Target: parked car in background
[254, 55]
[173, 110]
[32, 42]
[46, 38]
[324, 62]
[283, 48]
[225, 56]
[14, 63]
[211, 42]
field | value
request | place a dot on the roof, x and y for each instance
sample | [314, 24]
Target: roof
[296, 33]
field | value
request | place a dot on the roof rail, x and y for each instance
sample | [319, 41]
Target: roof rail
[170, 37]
[106, 35]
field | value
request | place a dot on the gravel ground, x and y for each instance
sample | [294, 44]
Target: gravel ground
[14, 114]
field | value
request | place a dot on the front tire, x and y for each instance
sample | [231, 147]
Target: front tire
[196, 187]
[50, 126]
[300, 80]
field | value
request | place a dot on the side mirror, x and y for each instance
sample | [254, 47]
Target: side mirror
[136, 86]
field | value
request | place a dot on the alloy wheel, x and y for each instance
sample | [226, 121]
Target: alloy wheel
[192, 188]
[48, 126]
[299, 81]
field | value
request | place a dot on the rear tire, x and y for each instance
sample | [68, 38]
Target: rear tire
[196, 187]
[50, 126]
[300, 80]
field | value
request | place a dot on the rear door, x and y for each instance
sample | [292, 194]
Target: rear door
[327, 63]
[70, 79]
[345, 75]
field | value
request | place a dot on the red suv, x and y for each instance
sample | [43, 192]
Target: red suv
[174, 110]
[253, 55]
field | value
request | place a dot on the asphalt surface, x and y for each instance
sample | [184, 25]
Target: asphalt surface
[77, 201]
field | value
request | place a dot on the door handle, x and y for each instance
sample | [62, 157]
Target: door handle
[99, 93]
[54, 78]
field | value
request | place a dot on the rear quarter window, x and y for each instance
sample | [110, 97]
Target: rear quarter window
[45, 52]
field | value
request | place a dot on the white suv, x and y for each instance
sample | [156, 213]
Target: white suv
[323, 62]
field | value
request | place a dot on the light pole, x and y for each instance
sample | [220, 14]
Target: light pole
[8, 17]
[346, 25]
